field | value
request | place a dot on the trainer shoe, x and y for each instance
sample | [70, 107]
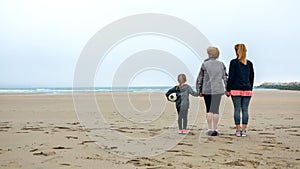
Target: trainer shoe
[238, 133]
[209, 132]
[215, 133]
[185, 131]
[244, 134]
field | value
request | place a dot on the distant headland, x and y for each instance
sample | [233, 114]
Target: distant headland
[280, 85]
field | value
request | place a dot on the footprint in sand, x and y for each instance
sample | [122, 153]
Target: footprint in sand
[188, 165]
[252, 163]
[255, 153]
[191, 133]
[4, 128]
[280, 127]
[234, 163]
[122, 131]
[111, 148]
[266, 133]
[88, 141]
[266, 148]
[227, 150]
[295, 127]
[296, 131]
[267, 145]
[226, 154]
[71, 137]
[185, 144]
[154, 130]
[33, 128]
[95, 157]
[181, 153]
[132, 128]
[50, 153]
[184, 154]
[228, 140]
[33, 150]
[144, 161]
[22, 132]
[12, 164]
[294, 134]
[211, 139]
[226, 137]
[74, 123]
[173, 151]
[3, 150]
[255, 130]
[62, 127]
[61, 147]
[52, 159]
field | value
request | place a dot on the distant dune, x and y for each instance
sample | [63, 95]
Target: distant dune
[280, 85]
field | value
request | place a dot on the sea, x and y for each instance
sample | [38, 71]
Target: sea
[58, 90]
[61, 90]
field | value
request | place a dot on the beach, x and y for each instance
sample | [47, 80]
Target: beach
[43, 131]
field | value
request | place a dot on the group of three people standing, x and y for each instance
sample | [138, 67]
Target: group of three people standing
[213, 81]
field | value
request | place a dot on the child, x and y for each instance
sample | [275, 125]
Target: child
[182, 102]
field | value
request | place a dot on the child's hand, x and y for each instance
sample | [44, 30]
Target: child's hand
[201, 95]
[227, 94]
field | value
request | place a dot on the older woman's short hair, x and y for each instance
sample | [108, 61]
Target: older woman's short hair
[213, 52]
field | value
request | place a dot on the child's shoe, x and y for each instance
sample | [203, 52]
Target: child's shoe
[185, 131]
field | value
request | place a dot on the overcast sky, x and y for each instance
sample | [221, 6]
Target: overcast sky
[40, 41]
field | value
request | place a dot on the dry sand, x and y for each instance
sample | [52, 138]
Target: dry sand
[42, 131]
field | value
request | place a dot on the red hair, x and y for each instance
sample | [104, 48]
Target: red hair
[240, 50]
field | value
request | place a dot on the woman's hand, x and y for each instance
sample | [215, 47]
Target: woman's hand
[201, 95]
[227, 94]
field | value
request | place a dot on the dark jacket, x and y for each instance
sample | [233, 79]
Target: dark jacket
[241, 77]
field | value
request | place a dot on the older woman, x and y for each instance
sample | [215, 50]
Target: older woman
[211, 84]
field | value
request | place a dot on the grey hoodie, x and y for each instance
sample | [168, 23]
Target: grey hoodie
[212, 78]
[185, 91]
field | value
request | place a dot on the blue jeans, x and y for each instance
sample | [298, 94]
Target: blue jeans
[241, 103]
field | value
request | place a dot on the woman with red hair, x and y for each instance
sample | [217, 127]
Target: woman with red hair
[239, 87]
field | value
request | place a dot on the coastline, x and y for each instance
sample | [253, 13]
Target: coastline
[69, 90]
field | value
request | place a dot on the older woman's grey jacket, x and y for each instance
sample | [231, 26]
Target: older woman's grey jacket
[212, 78]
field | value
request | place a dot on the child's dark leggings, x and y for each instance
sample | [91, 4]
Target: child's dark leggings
[182, 119]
